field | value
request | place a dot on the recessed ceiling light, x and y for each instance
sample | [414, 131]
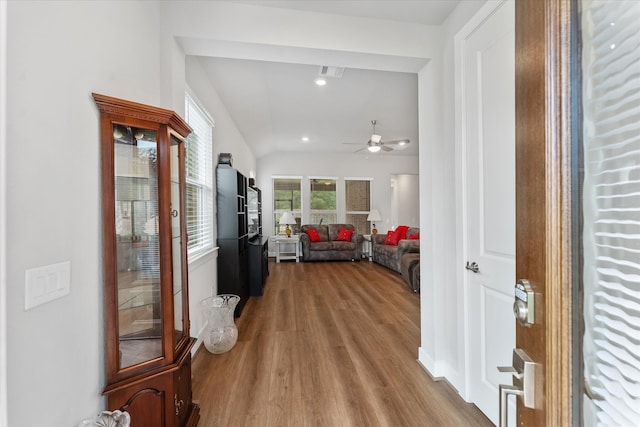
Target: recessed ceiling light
[305, 139]
[320, 81]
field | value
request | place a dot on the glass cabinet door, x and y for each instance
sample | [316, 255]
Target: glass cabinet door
[137, 245]
[146, 304]
[177, 238]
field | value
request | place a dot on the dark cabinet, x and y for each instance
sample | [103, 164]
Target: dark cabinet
[254, 212]
[233, 237]
[259, 264]
[146, 310]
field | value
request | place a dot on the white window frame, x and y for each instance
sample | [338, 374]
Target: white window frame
[203, 181]
[277, 213]
[324, 211]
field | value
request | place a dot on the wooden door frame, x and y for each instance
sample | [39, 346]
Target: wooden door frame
[543, 209]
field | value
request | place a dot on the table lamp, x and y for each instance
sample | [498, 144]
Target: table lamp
[288, 219]
[374, 215]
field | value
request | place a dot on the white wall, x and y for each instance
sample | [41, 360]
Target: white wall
[405, 200]
[442, 338]
[3, 215]
[233, 30]
[226, 136]
[58, 53]
[380, 168]
[203, 274]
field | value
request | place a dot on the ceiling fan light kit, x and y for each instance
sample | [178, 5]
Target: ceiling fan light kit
[374, 148]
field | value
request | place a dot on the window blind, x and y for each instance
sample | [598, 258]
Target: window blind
[199, 179]
[358, 203]
[611, 210]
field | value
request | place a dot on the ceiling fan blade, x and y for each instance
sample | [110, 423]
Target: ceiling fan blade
[385, 148]
[399, 142]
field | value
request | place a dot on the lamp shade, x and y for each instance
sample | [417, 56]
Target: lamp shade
[287, 218]
[374, 215]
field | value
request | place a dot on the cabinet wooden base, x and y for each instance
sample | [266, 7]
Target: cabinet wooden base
[194, 416]
[162, 398]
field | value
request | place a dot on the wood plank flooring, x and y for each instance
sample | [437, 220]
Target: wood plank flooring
[328, 344]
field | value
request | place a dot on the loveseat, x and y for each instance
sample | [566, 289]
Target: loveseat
[323, 242]
[390, 254]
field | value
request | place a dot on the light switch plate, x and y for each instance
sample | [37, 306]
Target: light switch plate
[46, 283]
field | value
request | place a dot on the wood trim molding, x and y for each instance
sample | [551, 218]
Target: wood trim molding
[559, 223]
[543, 200]
[121, 107]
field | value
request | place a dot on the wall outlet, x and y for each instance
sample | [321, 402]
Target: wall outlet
[46, 283]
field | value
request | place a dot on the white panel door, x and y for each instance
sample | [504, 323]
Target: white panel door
[489, 192]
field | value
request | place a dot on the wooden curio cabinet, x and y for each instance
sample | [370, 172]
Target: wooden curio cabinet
[148, 348]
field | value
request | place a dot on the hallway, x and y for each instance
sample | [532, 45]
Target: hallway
[328, 344]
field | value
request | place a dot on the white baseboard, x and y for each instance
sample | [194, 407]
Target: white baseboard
[440, 371]
[427, 363]
[199, 340]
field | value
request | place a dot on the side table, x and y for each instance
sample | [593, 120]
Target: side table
[366, 246]
[284, 248]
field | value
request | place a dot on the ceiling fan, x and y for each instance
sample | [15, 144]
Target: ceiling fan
[375, 143]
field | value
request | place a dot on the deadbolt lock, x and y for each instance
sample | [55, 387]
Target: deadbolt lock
[524, 305]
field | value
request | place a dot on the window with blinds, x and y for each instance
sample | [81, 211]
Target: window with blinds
[199, 179]
[611, 210]
[358, 203]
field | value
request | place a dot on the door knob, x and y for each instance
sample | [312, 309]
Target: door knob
[505, 391]
[524, 371]
[472, 266]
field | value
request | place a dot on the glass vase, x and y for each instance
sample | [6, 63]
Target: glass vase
[221, 334]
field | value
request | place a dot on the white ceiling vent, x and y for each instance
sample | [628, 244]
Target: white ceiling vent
[327, 71]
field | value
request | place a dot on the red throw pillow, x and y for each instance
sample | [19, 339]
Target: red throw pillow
[313, 235]
[414, 236]
[344, 234]
[389, 239]
[399, 234]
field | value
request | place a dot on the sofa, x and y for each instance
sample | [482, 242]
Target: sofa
[410, 270]
[328, 246]
[390, 255]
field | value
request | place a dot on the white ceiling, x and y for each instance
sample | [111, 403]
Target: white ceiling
[429, 12]
[275, 104]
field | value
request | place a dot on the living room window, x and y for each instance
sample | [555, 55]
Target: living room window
[357, 194]
[322, 201]
[199, 179]
[287, 197]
